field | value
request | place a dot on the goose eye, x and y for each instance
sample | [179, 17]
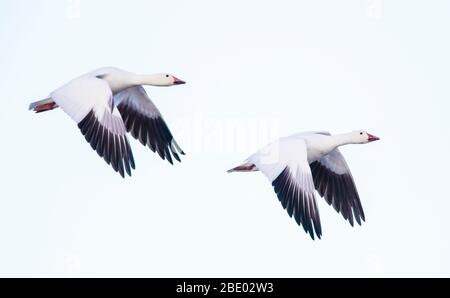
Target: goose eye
[167, 76]
[360, 133]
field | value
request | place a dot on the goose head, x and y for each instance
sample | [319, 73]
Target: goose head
[362, 137]
[165, 79]
[120, 80]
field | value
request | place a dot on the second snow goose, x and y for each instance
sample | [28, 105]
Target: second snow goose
[106, 104]
[302, 163]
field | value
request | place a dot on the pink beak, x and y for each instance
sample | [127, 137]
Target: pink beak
[372, 138]
[178, 81]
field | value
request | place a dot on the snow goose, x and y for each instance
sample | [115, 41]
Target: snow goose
[106, 104]
[299, 164]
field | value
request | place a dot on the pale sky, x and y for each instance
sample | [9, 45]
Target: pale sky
[255, 71]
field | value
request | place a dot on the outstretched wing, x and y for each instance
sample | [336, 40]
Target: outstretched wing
[88, 101]
[334, 182]
[145, 123]
[285, 164]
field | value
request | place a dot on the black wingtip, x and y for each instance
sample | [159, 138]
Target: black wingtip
[293, 201]
[314, 234]
[339, 191]
[360, 222]
[114, 149]
[176, 156]
[151, 132]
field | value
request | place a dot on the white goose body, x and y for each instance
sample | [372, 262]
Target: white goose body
[107, 103]
[318, 144]
[302, 163]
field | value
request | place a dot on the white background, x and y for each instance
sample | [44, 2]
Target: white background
[256, 70]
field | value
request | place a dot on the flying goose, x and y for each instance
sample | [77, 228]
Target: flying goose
[106, 104]
[302, 163]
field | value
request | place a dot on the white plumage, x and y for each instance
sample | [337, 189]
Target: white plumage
[106, 104]
[302, 163]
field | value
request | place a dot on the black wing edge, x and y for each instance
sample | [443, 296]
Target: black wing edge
[114, 149]
[339, 191]
[297, 203]
[153, 133]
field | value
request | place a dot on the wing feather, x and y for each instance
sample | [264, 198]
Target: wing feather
[146, 124]
[285, 164]
[334, 182]
[88, 101]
